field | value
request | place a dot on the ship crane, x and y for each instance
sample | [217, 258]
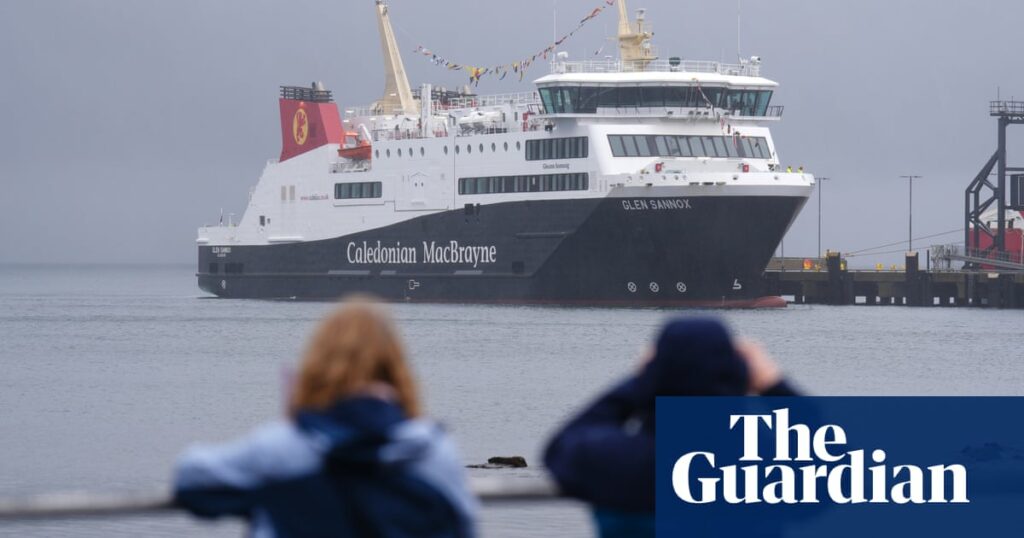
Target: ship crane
[398, 97]
[635, 47]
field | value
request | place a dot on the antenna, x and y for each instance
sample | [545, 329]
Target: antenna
[739, 28]
[554, 32]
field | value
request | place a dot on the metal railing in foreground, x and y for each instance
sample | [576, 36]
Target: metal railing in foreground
[489, 489]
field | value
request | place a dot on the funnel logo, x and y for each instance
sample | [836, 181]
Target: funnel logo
[300, 127]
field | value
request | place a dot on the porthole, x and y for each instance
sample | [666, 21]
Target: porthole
[446, 150]
[469, 148]
[376, 153]
[423, 152]
[519, 146]
[389, 153]
[410, 152]
[457, 150]
[506, 146]
[399, 152]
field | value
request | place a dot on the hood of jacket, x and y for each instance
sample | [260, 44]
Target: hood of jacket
[366, 432]
[693, 357]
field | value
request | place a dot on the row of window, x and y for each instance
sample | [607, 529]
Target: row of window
[423, 152]
[537, 183]
[348, 191]
[753, 147]
[586, 100]
[458, 150]
[558, 148]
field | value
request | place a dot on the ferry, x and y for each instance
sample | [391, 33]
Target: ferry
[634, 181]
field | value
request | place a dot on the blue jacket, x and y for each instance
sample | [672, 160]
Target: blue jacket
[359, 469]
[606, 455]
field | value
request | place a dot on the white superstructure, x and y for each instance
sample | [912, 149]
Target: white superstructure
[591, 129]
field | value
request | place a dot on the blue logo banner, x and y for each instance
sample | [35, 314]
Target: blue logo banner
[839, 467]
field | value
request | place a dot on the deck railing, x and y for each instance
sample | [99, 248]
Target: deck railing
[519, 99]
[473, 101]
[657, 66]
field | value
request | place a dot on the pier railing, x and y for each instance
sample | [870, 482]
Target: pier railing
[488, 489]
[982, 257]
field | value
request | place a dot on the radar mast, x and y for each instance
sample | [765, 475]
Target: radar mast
[397, 92]
[634, 40]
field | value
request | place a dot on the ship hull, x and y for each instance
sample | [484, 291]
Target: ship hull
[707, 251]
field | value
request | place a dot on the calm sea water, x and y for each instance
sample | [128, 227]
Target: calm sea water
[106, 373]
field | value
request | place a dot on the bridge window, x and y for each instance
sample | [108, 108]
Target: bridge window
[587, 99]
[558, 148]
[349, 191]
[534, 183]
[725, 147]
[607, 97]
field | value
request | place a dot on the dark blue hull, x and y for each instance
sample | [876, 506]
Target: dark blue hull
[700, 251]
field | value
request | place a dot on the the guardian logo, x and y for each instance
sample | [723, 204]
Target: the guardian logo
[817, 469]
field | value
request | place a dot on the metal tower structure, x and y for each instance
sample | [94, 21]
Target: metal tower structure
[982, 194]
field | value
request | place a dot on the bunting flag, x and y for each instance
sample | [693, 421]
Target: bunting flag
[476, 73]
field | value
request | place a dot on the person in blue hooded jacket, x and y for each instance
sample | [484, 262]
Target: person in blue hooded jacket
[354, 458]
[606, 455]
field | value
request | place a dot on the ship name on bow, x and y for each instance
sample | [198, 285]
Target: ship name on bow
[665, 204]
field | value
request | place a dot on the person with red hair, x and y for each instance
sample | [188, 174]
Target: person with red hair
[355, 457]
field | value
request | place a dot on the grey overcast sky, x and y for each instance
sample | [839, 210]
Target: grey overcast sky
[126, 124]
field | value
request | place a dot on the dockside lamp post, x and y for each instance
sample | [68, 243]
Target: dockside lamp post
[910, 212]
[821, 184]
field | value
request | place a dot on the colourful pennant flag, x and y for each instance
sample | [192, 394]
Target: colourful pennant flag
[520, 67]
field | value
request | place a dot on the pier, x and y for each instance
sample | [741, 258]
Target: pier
[828, 281]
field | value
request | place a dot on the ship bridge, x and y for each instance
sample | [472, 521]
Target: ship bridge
[616, 87]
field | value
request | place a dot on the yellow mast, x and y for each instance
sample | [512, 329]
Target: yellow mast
[397, 93]
[634, 40]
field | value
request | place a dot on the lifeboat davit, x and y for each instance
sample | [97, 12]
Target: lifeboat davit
[360, 148]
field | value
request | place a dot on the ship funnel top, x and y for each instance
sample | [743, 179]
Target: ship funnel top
[309, 119]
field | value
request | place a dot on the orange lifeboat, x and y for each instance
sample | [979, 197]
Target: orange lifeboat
[360, 149]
